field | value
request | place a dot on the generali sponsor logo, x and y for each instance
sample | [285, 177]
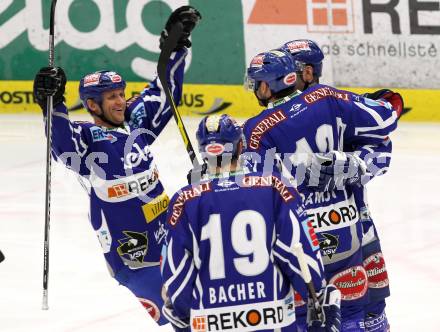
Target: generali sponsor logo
[376, 271]
[351, 282]
[269, 181]
[185, 196]
[263, 126]
[324, 92]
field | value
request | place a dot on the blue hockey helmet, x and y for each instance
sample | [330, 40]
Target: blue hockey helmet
[274, 67]
[93, 85]
[305, 52]
[218, 134]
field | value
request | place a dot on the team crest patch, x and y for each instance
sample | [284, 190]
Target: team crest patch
[134, 247]
[328, 244]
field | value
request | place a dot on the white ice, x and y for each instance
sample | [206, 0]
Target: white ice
[82, 296]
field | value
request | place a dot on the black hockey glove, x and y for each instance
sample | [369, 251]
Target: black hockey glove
[334, 170]
[195, 175]
[2, 257]
[394, 98]
[49, 81]
[330, 303]
[189, 17]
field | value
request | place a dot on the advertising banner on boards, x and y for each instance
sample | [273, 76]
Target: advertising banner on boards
[367, 43]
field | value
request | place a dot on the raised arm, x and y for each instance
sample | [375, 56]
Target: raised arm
[69, 139]
[151, 110]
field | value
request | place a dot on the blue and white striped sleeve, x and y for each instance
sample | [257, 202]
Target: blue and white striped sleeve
[369, 125]
[178, 269]
[151, 109]
[70, 140]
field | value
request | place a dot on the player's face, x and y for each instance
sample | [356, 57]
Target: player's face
[263, 93]
[304, 77]
[114, 105]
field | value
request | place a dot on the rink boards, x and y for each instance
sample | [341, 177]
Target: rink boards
[422, 105]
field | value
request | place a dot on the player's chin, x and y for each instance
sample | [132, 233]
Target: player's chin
[119, 117]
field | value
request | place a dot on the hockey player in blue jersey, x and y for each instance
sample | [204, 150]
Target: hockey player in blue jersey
[325, 138]
[229, 263]
[112, 154]
[378, 157]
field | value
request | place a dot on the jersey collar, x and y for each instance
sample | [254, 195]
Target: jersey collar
[284, 99]
[123, 130]
[226, 174]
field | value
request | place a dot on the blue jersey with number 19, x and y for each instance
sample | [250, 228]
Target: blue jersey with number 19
[229, 264]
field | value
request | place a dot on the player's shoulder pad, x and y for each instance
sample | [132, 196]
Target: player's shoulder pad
[85, 125]
[258, 126]
[183, 196]
[136, 113]
[319, 92]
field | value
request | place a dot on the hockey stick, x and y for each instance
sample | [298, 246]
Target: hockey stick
[299, 253]
[169, 45]
[49, 108]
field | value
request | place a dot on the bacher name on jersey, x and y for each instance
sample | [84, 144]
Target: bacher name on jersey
[229, 263]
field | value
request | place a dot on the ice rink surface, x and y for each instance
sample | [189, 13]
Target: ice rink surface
[405, 205]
